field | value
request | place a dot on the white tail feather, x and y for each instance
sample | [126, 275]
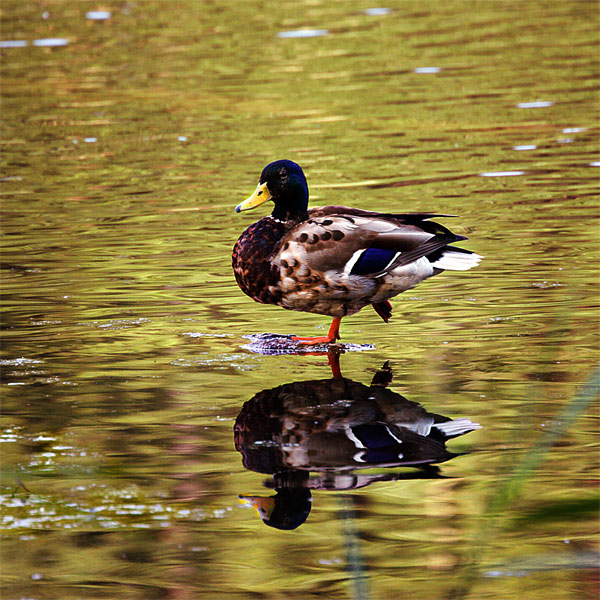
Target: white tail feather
[457, 427]
[457, 261]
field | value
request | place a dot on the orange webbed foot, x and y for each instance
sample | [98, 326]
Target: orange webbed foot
[332, 335]
[312, 341]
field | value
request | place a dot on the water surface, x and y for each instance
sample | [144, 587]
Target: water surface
[124, 362]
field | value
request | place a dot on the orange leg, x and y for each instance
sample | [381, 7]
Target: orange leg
[332, 335]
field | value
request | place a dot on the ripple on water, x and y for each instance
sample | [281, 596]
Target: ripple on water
[42, 42]
[111, 513]
[427, 70]
[117, 324]
[536, 104]
[51, 42]
[13, 43]
[277, 344]
[502, 173]
[198, 334]
[19, 362]
[98, 15]
[303, 33]
[377, 11]
[219, 362]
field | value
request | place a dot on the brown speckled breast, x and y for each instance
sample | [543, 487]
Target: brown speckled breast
[252, 253]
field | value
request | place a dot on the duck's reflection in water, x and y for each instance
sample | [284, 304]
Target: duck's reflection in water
[332, 428]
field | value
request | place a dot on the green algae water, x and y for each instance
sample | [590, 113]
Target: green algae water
[130, 132]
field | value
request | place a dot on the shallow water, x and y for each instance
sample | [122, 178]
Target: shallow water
[126, 147]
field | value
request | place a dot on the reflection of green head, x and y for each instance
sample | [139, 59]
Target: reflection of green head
[288, 509]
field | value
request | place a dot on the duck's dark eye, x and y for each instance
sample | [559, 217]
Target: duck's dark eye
[283, 173]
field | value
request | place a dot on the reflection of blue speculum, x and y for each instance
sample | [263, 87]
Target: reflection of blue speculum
[335, 428]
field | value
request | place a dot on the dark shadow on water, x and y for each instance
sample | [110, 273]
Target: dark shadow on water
[324, 435]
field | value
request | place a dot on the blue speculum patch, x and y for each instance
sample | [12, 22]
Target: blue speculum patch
[372, 260]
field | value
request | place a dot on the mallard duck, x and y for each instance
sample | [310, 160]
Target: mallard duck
[335, 260]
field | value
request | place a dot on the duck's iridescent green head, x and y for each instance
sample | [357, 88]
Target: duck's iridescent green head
[284, 183]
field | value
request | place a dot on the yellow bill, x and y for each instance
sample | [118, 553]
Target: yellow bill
[261, 194]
